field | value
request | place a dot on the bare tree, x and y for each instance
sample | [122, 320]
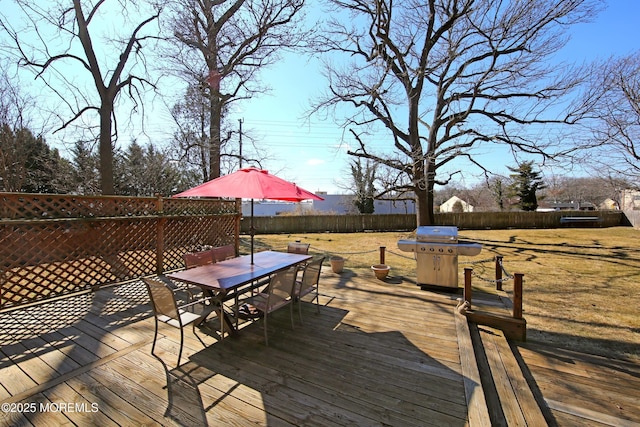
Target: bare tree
[617, 127]
[222, 45]
[191, 138]
[191, 114]
[364, 177]
[115, 64]
[443, 77]
[592, 190]
[15, 137]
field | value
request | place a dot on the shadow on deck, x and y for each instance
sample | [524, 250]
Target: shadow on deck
[378, 354]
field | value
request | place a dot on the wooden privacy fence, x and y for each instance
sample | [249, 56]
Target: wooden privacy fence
[329, 223]
[407, 222]
[53, 245]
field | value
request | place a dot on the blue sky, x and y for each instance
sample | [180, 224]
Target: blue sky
[311, 154]
[308, 153]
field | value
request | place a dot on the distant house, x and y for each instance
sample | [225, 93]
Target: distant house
[565, 206]
[338, 204]
[274, 207]
[609, 204]
[630, 200]
[456, 204]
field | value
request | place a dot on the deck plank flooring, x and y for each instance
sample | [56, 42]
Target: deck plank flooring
[588, 388]
[377, 354]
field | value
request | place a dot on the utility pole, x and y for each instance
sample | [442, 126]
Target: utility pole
[240, 143]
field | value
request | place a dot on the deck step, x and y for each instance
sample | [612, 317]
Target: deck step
[514, 329]
[508, 394]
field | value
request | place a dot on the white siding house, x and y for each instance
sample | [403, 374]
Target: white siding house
[448, 206]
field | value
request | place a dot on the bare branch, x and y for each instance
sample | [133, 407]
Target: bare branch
[223, 45]
[444, 77]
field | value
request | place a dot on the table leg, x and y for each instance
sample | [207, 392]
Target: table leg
[229, 324]
[217, 305]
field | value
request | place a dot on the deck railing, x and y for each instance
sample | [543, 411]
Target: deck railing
[513, 326]
[54, 245]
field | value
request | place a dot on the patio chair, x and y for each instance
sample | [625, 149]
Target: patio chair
[298, 248]
[166, 310]
[309, 284]
[222, 253]
[277, 295]
[196, 259]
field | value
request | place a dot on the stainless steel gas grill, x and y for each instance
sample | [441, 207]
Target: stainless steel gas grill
[436, 250]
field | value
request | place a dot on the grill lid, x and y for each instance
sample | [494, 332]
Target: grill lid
[437, 234]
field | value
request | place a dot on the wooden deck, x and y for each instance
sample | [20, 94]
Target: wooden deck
[378, 354]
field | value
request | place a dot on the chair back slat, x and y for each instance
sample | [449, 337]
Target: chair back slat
[162, 299]
[195, 259]
[222, 253]
[311, 275]
[298, 248]
[281, 288]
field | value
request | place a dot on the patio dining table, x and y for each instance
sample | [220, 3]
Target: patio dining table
[229, 276]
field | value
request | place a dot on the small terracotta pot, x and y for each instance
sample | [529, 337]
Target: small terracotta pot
[381, 270]
[337, 264]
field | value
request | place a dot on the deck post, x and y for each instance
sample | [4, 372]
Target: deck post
[160, 234]
[467, 284]
[498, 272]
[236, 230]
[517, 295]
[382, 253]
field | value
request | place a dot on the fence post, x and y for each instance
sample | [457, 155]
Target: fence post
[382, 249]
[238, 225]
[160, 235]
[517, 295]
[498, 272]
[467, 284]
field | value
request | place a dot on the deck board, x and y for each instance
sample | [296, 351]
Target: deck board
[518, 402]
[592, 388]
[377, 354]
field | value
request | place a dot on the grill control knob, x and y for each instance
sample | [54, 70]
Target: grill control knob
[440, 250]
[431, 249]
[450, 250]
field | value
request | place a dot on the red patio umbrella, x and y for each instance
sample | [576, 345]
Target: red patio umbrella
[251, 183]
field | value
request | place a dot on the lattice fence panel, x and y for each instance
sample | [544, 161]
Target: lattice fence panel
[186, 234]
[50, 206]
[197, 207]
[53, 245]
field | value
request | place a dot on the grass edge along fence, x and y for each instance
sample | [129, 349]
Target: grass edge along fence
[407, 222]
[53, 245]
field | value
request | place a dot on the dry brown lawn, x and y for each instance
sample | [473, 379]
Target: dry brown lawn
[581, 288]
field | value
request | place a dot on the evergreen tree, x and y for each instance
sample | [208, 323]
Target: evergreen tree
[28, 164]
[86, 175]
[134, 172]
[526, 182]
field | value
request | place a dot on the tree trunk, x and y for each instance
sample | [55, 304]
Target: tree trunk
[214, 134]
[106, 151]
[423, 183]
[422, 208]
[423, 171]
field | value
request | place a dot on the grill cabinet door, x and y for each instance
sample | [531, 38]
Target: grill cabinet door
[437, 269]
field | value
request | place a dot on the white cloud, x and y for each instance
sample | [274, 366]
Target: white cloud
[315, 162]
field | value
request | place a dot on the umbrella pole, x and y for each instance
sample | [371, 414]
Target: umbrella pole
[252, 231]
